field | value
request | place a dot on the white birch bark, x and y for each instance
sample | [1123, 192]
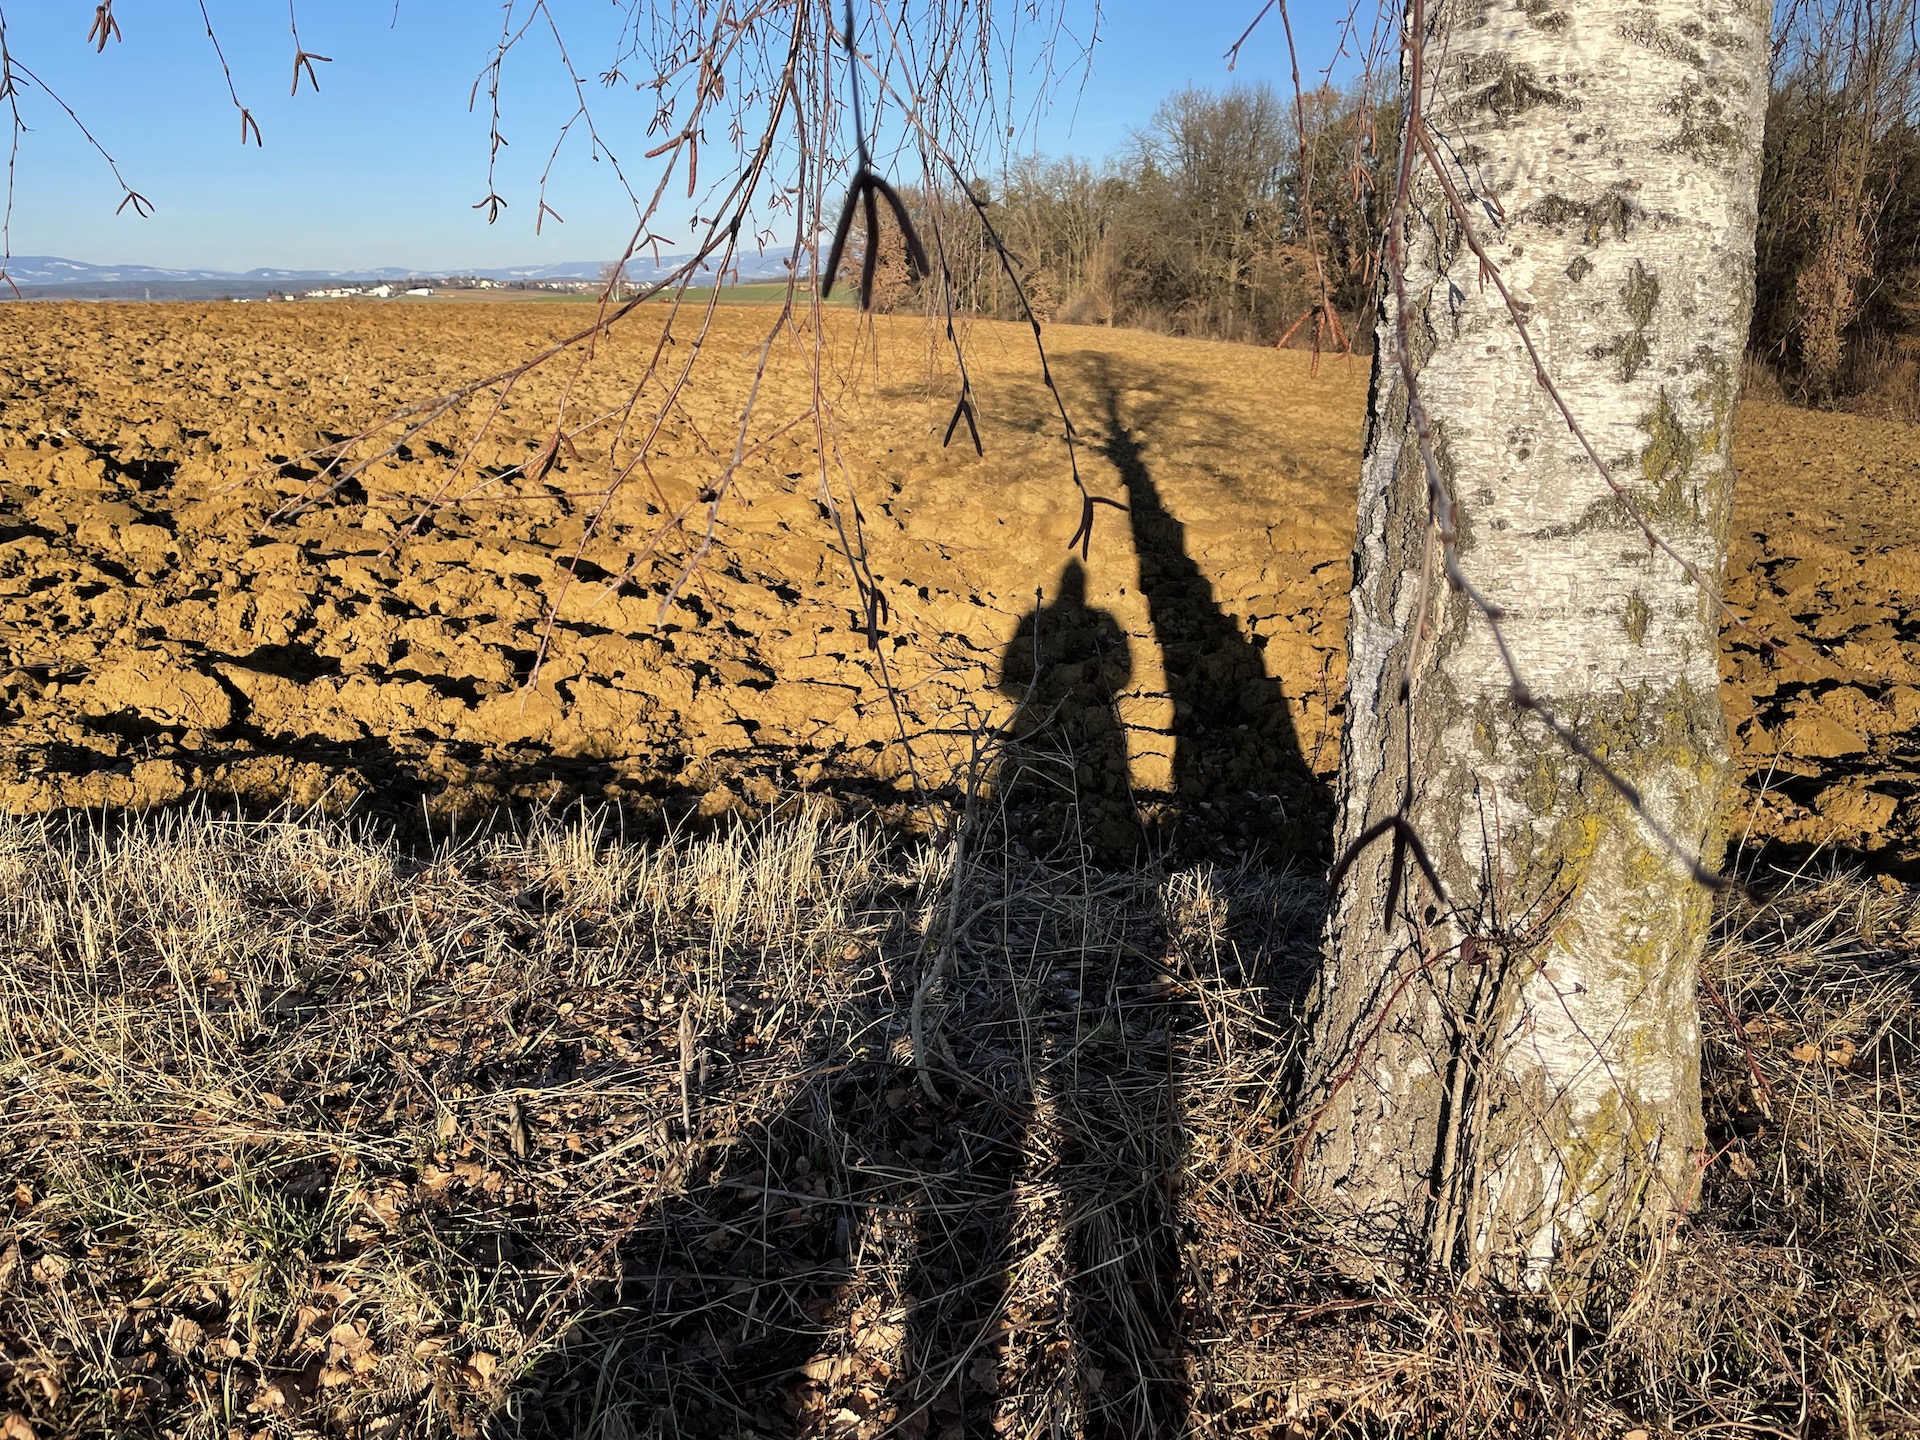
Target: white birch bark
[1520, 1082]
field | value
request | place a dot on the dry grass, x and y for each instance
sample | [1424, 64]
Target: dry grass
[1882, 377]
[790, 1131]
[1790, 1305]
[305, 1128]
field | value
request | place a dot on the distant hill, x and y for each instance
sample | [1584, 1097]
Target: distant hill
[48, 276]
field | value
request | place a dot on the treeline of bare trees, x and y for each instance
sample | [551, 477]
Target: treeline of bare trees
[1838, 305]
[1203, 225]
[1197, 228]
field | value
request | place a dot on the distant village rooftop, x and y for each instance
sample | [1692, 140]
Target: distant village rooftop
[387, 290]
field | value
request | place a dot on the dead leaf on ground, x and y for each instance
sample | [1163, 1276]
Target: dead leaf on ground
[1839, 1055]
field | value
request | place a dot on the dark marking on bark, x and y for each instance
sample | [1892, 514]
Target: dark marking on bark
[1614, 212]
[1544, 15]
[1463, 520]
[1645, 31]
[1638, 614]
[1719, 390]
[1640, 294]
[1639, 297]
[1506, 88]
[1704, 132]
[1666, 500]
[1666, 465]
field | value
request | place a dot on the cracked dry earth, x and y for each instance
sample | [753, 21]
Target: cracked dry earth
[162, 636]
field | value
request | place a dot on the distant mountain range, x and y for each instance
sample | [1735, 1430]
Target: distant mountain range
[51, 270]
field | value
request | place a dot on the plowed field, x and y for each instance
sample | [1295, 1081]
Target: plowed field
[162, 636]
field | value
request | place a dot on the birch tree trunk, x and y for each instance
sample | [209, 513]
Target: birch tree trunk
[1503, 1084]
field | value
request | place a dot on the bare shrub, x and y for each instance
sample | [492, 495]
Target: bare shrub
[1838, 191]
[1881, 376]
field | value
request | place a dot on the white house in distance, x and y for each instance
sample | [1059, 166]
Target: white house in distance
[386, 290]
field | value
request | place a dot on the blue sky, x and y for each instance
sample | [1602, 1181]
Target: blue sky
[383, 165]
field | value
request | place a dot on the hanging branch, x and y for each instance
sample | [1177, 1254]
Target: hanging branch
[303, 58]
[583, 112]
[864, 192]
[1082, 538]
[1326, 320]
[247, 122]
[963, 408]
[10, 93]
[11, 73]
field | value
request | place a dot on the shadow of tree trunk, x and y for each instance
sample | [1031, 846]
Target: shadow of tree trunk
[1239, 772]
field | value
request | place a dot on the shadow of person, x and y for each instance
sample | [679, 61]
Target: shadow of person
[1043, 1289]
[1064, 782]
[1239, 773]
[1044, 1277]
[949, 1231]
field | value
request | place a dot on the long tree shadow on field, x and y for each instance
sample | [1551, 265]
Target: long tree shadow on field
[1239, 772]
